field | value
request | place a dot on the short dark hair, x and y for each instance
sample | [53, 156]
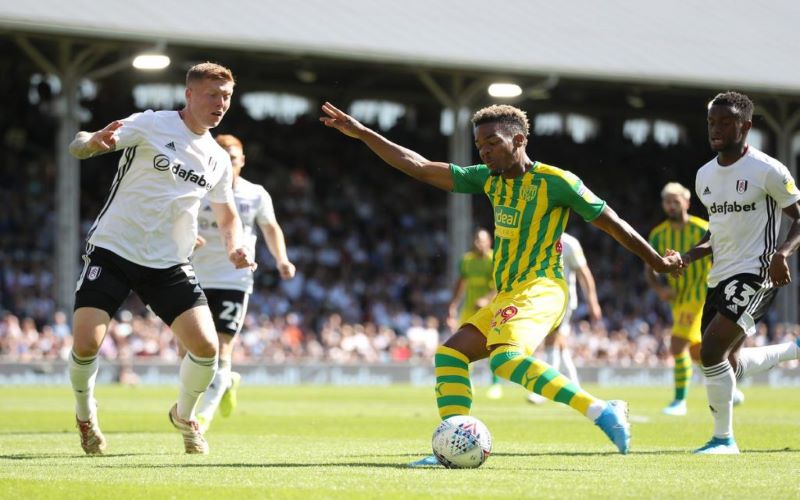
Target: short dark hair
[742, 104]
[513, 119]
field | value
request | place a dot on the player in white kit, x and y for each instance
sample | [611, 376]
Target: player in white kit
[226, 288]
[745, 191]
[576, 269]
[144, 235]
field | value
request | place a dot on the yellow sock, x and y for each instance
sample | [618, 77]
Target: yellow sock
[453, 385]
[683, 375]
[537, 376]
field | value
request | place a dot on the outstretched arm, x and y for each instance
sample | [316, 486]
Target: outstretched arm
[407, 161]
[88, 144]
[276, 243]
[621, 231]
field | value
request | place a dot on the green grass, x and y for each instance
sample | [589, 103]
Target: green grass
[353, 442]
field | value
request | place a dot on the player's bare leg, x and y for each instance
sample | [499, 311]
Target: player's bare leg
[89, 330]
[195, 331]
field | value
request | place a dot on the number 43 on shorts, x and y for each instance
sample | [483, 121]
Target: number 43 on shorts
[739, 293]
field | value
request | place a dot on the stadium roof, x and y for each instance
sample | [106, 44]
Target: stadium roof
[697, 43]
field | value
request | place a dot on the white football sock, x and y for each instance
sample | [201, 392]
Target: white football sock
[211, 398]
[552, 357]
[569, 366]
[720, 384]
[595, 409]
[82, 375]
[196, 373]
[754, 360]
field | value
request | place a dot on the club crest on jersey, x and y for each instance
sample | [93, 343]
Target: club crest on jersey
[528, 192]
[741, 186]
[93, 273]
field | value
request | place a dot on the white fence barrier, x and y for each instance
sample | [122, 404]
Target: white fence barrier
[376, 374]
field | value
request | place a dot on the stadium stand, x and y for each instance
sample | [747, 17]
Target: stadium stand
[369, 245]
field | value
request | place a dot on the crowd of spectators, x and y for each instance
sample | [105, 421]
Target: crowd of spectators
[280, 339]
[370, 246]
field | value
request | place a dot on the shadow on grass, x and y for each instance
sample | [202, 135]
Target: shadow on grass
[566, 454]
[578, 453]
[255, 466]
[536, 454]
[369, 465]
[43, 456]
[687, 451]
[34, 433]
[782, 450]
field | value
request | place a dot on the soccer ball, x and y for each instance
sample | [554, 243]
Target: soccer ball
[461, 442]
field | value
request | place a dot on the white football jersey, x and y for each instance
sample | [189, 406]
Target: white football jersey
[573, 258]
[744, 202]
[210, 261]
[150, 214]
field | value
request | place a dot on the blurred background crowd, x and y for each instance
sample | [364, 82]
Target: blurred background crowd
[369, 244]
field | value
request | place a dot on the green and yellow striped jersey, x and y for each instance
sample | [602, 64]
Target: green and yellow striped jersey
[476, 271]
[530, 213]
[691, 285]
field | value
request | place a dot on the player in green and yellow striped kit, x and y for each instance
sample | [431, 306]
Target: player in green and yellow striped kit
[686, 294]
[532, 202]
[475, 285]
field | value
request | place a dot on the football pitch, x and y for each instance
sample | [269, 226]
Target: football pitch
[354, 442]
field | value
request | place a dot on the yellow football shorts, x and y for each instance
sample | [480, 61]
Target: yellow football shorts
[465, 314]
[686, 319]
[524, 316]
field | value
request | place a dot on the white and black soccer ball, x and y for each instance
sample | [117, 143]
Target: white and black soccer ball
[462, 442]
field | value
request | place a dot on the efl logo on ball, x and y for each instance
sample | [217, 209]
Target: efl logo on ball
[461, 442]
